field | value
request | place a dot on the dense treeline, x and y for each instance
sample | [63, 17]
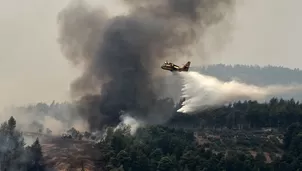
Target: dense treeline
[14, 155]
[277, 113]
[175, 148]
[159, 148]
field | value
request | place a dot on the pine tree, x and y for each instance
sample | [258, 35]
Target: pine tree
[11, 156]
[12, 124]
[37, 157]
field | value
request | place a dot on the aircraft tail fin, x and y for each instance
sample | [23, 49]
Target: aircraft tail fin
[187, 66]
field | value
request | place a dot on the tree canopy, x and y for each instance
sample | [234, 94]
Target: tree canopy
[14, 155]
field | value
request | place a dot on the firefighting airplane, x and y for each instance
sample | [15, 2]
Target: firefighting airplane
[172, 67]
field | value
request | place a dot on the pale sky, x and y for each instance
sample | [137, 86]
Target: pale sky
[32, 68]
[266, 32]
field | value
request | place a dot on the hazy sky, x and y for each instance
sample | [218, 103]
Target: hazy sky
[266, 32]
[32, 68]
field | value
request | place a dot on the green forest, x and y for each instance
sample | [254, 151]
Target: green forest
[189, 142]
[176, 148]
[277, 113]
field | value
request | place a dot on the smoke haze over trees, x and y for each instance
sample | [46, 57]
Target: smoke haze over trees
[55, 116]
[118, 54]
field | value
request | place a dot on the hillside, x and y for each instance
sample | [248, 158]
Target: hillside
[251, 136]
[257, 75]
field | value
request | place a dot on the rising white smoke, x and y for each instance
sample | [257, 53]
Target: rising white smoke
[202, 91]
[128, 121]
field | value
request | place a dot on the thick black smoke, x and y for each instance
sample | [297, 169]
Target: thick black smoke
[121, 54]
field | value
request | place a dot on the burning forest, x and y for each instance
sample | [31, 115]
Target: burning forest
[119, 54]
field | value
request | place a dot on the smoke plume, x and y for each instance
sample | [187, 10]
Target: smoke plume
[120, 55]
[202, 91]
